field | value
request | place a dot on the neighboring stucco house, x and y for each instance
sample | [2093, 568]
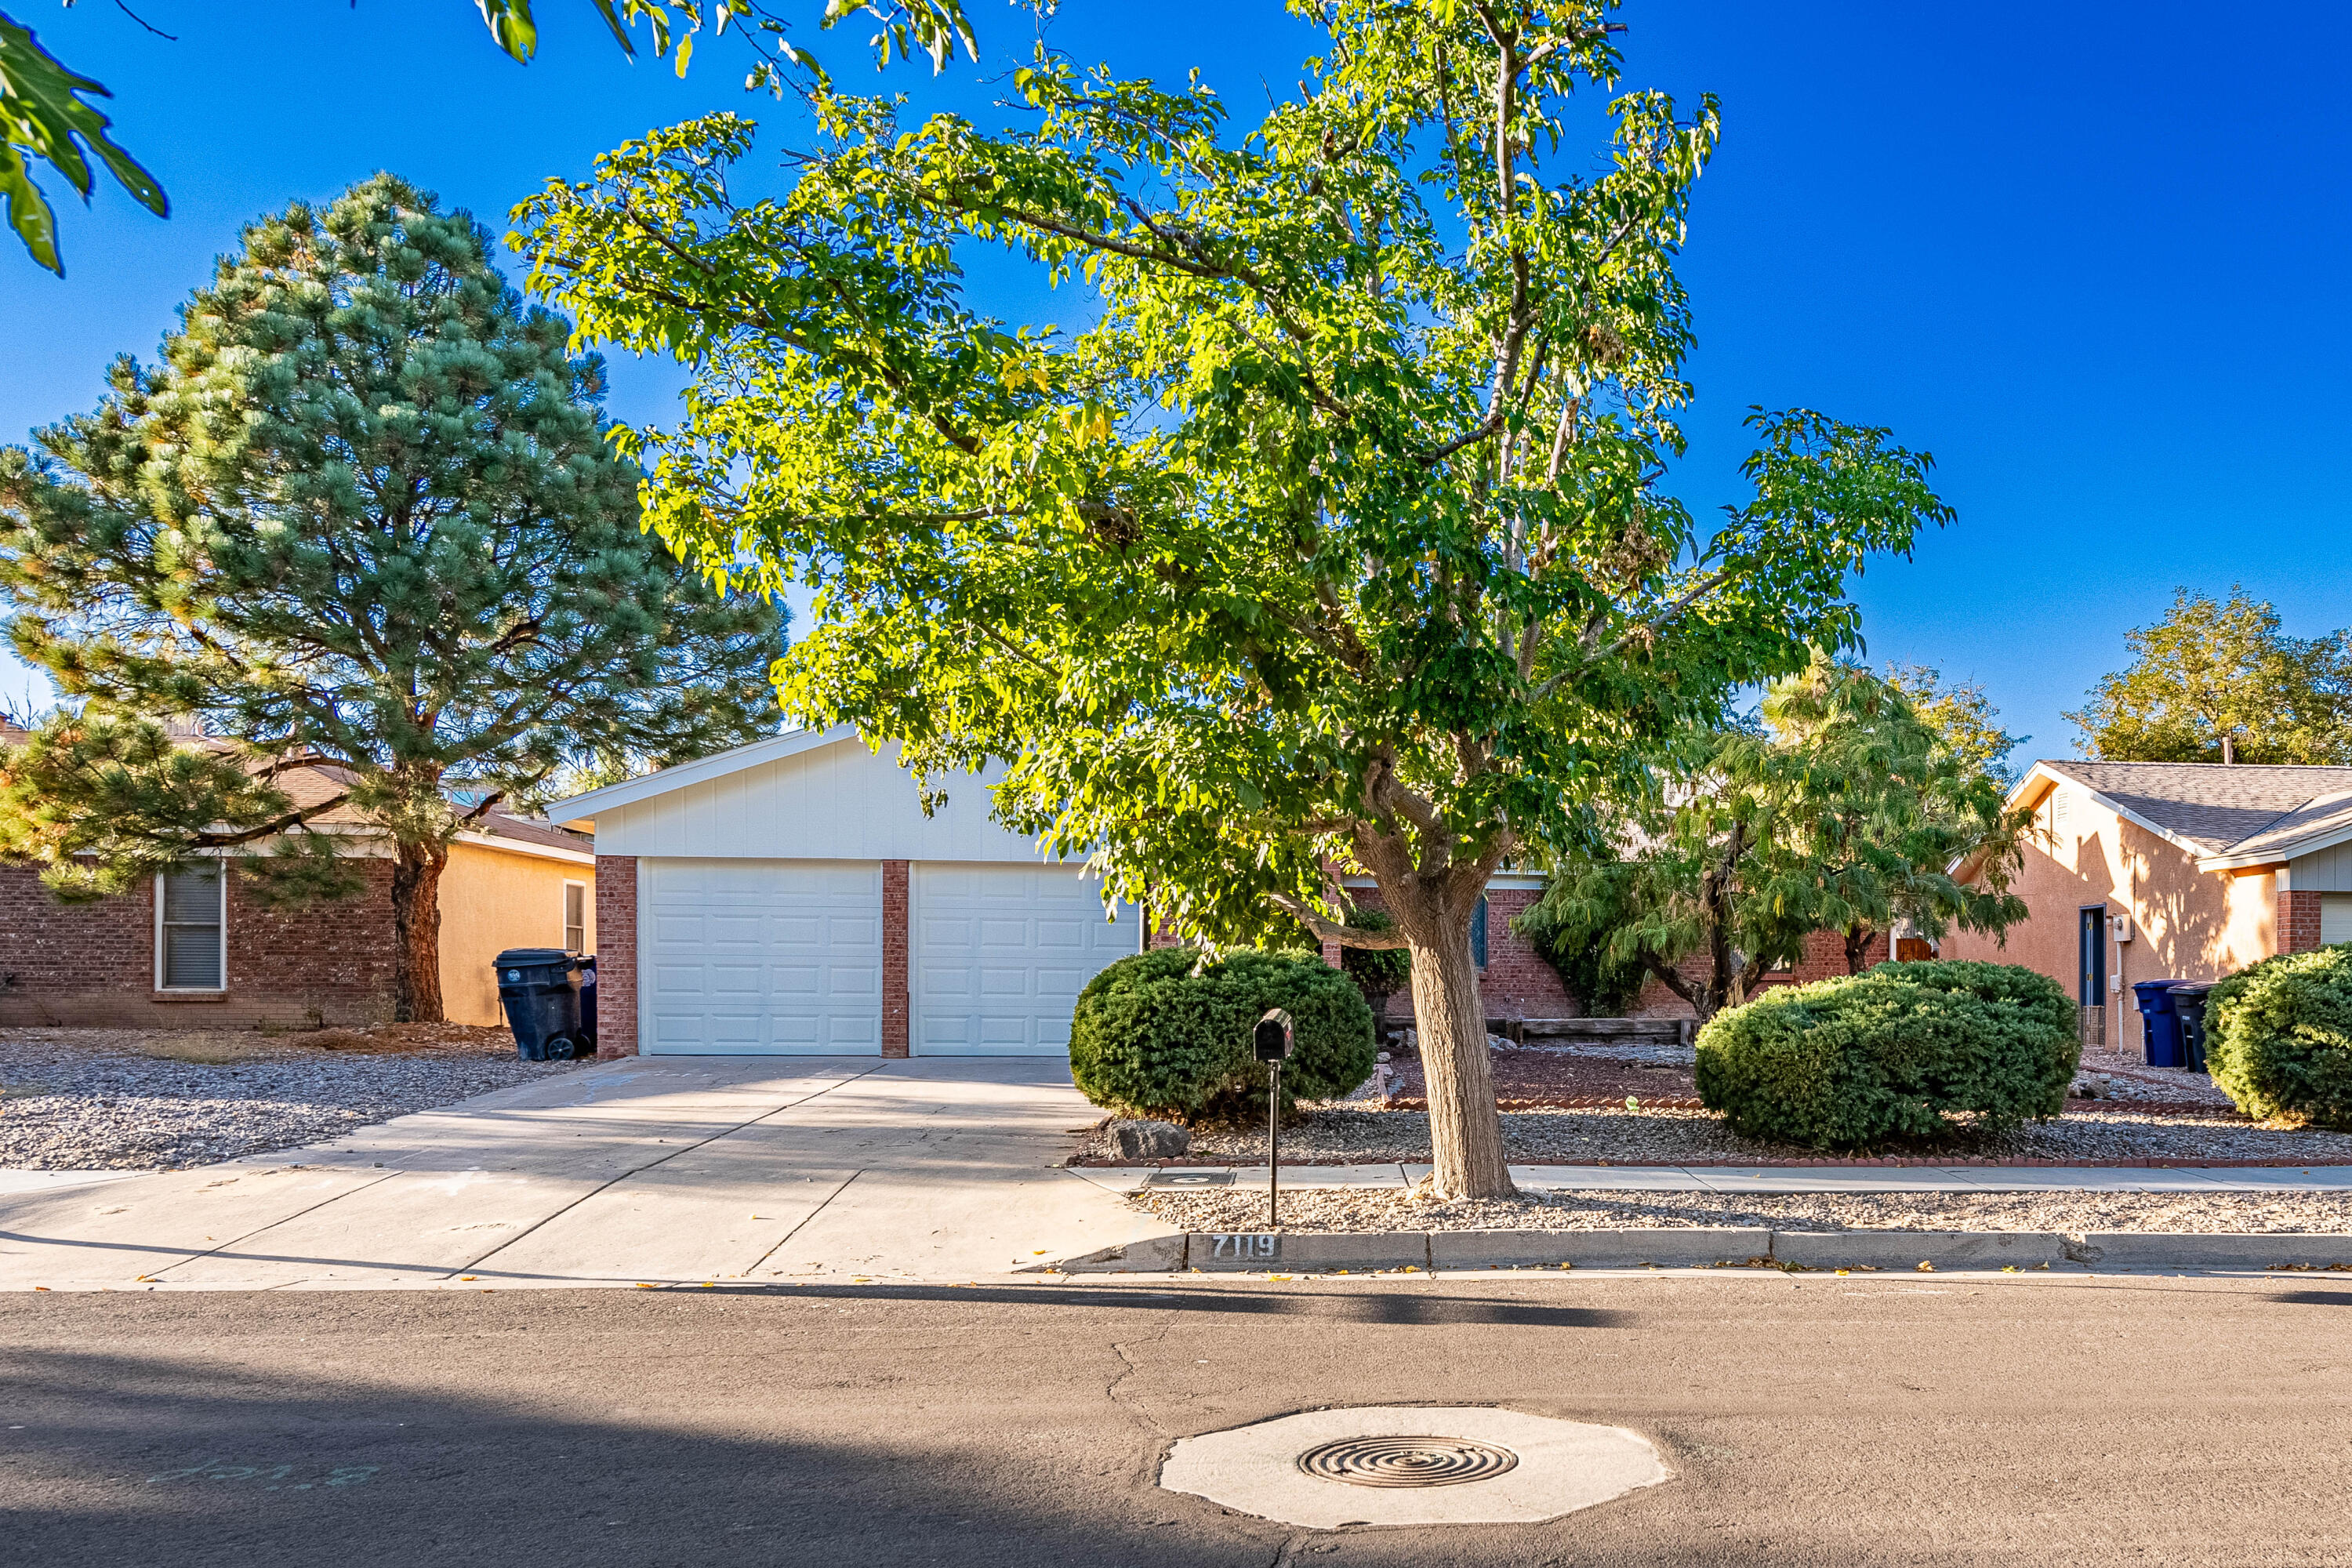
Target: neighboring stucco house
[2164, 870]
[194, 950]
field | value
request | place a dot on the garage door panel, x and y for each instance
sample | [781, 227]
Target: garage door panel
[1003, 952]
[756, 957]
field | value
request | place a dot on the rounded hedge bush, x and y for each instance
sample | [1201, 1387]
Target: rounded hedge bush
[1151, 1038]
[1851, 1061]
[2278, 1037]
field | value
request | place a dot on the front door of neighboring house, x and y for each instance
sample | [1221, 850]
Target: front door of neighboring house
[2094, 955]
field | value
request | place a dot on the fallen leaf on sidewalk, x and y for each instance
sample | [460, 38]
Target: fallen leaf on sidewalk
[1925, 1267]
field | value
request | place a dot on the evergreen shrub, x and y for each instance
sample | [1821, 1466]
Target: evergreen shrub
[1151, 1038]
[1853, 1060]
[2278, 1037]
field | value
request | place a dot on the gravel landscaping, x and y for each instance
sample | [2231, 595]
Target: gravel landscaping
[2068, 1213]
[1355, 1134]
[132, 1099]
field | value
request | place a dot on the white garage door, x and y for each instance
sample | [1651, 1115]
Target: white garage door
[1001, 954]
[761, 957]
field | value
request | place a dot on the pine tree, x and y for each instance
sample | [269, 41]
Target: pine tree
[362, 511]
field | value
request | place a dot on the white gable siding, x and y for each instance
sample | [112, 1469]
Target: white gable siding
[838, 802]
[2322, 871]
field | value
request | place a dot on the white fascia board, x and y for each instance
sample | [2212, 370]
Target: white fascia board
[513, 847]
[2279, 854]
[583, 808]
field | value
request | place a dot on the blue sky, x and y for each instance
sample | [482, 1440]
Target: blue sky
[2092, 257]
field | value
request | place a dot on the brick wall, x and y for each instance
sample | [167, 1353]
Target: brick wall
[1823, 959]
[1518, 982]
[2298, 921]
[894, 958]
[617, 956]
[94, 964]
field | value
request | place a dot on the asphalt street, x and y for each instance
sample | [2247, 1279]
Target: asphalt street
[1911, 1419]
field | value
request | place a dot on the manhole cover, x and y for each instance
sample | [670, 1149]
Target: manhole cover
[1192, 1179]
[1412, 1465]
[1407, 1461]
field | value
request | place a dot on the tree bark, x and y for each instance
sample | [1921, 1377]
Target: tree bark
[416, 933]
[1465, 1135]
[1857, 947]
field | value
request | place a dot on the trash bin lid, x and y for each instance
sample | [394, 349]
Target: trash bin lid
[520, 956]
[2194, 988]
[2154, 996]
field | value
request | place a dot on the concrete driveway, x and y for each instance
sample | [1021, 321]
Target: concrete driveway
[652, 1170]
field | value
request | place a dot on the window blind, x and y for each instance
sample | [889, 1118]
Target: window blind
[192, 957]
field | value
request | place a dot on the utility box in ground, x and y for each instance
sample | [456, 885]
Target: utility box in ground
[540, 993]
[2163, 1024]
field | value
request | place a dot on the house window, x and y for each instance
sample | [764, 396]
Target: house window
[191, 946]
[575, 917]
[1478, 933]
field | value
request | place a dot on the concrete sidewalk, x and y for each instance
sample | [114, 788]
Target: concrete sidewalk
[1759, 1178]
[652, 1170]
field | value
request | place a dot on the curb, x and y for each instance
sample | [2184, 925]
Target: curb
[1691, 1247]
[2194, 1249]
[1909, 1250]
[1259, 1252]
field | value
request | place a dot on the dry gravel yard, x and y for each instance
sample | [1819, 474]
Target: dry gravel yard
[134, 1099]
[2073, 1212]
[2089, 1130]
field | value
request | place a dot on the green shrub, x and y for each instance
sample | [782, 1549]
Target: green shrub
[1853, 1060]
[1151, 1038]
[2278, 1037]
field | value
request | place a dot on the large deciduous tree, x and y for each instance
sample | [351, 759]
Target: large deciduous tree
[2218, 680]
[361, 512]
[1330, 541]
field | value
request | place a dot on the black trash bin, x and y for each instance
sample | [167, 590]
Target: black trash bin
[2188, 1001]
[2163, 1024]
[587, 962]
[542, 998]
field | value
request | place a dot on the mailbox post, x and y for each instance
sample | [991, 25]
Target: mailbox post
[1271, 1043]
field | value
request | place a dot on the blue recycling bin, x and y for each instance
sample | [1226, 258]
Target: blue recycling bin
[2188, 1006]
[2163, 1024]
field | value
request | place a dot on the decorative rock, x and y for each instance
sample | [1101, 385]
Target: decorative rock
[1151, 1140]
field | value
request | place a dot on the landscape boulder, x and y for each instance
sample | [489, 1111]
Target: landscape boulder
[1151, 1140]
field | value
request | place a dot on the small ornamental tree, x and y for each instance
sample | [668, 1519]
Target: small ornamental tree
[361, 513]
[1331, 544]
[1842, 811]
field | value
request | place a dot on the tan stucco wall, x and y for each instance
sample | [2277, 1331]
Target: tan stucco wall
[2186, 924]
[492, 899]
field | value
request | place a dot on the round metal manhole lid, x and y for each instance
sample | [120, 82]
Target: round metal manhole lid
[1407, 1461]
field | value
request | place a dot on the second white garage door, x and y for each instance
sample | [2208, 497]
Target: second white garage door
[761, 957]
[1001, 954]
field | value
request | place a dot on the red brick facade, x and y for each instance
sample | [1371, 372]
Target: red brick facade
[2298, 921]
[895, 1000]
[1824, 959]
[617, 956]
[94, 964]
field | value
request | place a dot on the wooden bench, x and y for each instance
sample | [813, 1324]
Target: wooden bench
[1601, 1031]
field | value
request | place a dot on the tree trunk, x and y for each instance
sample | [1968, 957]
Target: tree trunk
[416, 933]
[1465, 1132]
[1857, 947]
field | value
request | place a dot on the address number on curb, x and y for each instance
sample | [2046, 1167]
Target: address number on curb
[1262, 1246]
